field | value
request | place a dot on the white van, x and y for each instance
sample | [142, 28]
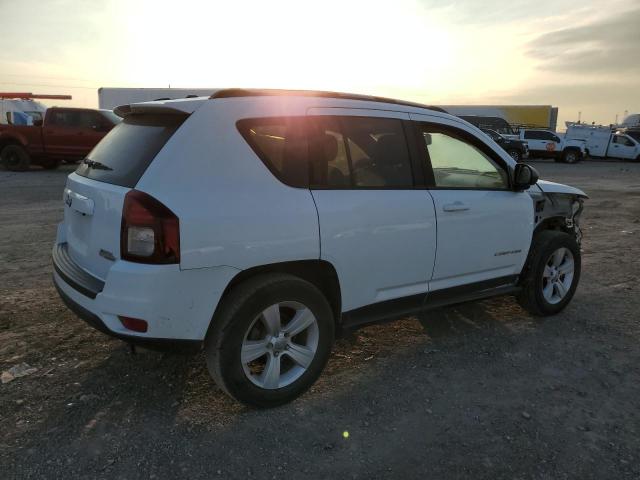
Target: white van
[263, 223]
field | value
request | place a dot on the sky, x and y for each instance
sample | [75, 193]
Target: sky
[581, 56]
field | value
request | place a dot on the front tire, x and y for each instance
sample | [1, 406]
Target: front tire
[15, 158]
[270, 340]
[552, 273]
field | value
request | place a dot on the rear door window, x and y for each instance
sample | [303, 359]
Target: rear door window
[359, 152]
[124, 154]
[339, 152]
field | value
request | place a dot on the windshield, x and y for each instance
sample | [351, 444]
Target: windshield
[125, 152]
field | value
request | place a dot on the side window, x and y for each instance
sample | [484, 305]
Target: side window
[359, 152]
[549, 136]
[66, 118]
[88, 119]
[456, 163]
[622, 140]
[281, 143]
[531, 135]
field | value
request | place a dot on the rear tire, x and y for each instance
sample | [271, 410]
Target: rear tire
[571, 156]
[15, 158]
[551, 274]
[259, 314]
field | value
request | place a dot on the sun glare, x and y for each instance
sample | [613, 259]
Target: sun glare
[345, 46]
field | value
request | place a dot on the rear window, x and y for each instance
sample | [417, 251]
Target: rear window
[125, 152]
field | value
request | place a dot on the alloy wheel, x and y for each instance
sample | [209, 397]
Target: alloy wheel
[280, 345]
[558, 275]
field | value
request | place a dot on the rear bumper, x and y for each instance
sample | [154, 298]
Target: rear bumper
[177, 305]
[94, 321]
[72, 274]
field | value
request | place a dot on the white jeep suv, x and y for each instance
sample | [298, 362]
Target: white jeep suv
[262, 223]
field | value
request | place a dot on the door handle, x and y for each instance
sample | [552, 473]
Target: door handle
[455, 207]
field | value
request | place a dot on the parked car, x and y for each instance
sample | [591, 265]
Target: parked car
[260, 224]
[66, 134]
[516, 148]
[603, 142]
[547, 144]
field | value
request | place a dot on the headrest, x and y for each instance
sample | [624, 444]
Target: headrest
[329, 146]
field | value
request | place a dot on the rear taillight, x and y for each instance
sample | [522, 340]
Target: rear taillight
[150, 232]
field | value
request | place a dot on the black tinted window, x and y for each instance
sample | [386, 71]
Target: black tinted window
[533, 135]
[352, 152]
[128, 149]
[540, 135]
[65, 118]
[76, 118]
[281, 143]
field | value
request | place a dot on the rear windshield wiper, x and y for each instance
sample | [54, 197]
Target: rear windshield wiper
[96, 165]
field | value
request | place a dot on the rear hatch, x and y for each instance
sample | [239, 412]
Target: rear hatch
[94, 194]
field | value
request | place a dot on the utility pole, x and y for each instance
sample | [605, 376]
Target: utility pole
[579, 116]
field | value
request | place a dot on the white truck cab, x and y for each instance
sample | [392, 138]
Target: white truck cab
[262, 223]
[547, 144]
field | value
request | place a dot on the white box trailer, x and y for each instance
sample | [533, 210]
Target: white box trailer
[110, 98]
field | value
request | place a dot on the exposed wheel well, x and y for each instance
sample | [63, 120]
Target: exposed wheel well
[9, 141]
[553, 223]
[318, 272]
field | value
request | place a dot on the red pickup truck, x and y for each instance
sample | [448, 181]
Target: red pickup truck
[65, 134]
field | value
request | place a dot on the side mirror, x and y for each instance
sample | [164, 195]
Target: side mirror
[37, 122]
[427, 139]
[524, 176]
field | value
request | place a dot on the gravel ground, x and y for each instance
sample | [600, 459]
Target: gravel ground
[480, 391]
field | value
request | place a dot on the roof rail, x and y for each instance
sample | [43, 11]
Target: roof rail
[272, 92]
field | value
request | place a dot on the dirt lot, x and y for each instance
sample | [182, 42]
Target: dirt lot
[484, 391]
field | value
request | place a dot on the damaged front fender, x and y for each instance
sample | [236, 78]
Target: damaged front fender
[557, 207]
